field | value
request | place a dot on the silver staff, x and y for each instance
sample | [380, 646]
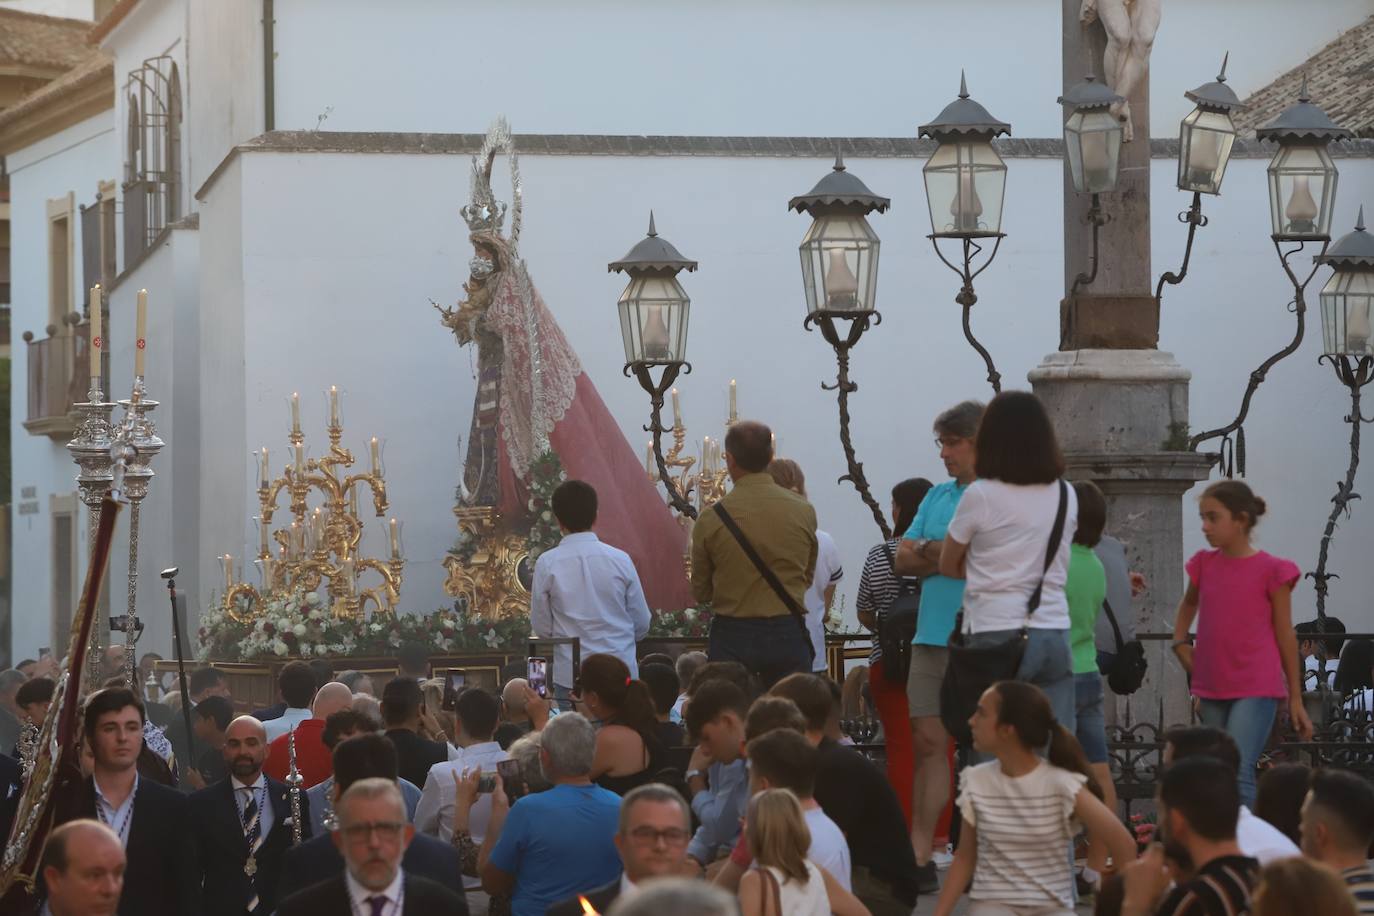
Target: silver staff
[294, 780]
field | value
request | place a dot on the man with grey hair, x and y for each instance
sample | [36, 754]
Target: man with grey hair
[918, 554]
[553, 844]
[687, 666]
[655, 825]
[372, 835]
[678, 897]
[10, 682]
[356, 681]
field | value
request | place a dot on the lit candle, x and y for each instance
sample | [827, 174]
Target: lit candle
[376, 450]
[140, 332]
[677, 409]
[649, 458]
[264, 478]
[97, 343]
[263, 532]
[295, 412]
[334, 419]
[734, 413]
[395, 539]
[228, 572]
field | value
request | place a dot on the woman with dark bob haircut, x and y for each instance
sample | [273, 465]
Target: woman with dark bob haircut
[999, 540]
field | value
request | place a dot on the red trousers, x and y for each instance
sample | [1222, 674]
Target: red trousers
[890, 698]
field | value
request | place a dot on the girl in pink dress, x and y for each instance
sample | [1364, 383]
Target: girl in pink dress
[1245, 661]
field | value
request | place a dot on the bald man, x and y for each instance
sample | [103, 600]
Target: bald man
[313, 759]
[83, 869]
[243, 827]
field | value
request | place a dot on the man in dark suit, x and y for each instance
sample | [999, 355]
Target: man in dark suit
[153, 821]
[648, 814]
[203, 683]
[402, 702]
[373, 836]
[243, 827]
[365, 756]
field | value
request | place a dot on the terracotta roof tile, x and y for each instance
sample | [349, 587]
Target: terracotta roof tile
[1340, 78]
[28, 39]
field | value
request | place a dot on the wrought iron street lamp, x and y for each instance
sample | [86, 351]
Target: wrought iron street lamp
[839, 262]
[1092, 144]
[1302, 189]
[653, 322]
[965, 180]
[1205, 137]
[1345, 304]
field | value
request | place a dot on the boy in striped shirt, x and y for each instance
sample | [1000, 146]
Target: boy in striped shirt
[1337, 828]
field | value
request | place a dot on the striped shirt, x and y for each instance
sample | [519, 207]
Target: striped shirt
[1360, 880]
[1221, 888]
[1025, 826]
[878, 586]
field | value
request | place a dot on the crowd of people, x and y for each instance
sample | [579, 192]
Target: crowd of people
[721, 781]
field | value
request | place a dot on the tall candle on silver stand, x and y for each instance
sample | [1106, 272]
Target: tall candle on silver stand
[90, 449]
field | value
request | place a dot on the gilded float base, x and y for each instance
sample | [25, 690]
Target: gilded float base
[494, 577]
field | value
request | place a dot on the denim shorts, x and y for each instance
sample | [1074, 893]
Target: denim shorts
[1091, 727]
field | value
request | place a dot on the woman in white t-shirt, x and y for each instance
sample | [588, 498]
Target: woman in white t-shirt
[787, 474]
[783, 882]
[1021, 811]
[1000, 536]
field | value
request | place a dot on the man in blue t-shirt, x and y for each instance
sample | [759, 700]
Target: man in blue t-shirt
[918, 554]
[555, 843]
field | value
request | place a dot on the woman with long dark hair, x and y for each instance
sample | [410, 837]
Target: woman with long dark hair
[628, 751]
[1000, 538]
[879, 584]
[1021, 811]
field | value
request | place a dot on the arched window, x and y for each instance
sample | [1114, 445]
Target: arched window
[152, 186]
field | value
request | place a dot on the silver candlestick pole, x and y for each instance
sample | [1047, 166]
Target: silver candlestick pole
[136, 442]
[91, 452]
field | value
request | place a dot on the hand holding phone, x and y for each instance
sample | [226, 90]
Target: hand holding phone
[537, 675]
[512, 780]
[454, 682]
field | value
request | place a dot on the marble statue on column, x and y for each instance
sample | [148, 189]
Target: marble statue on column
[1130, 27]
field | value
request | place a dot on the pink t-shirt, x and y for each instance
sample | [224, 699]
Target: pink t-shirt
[1236, 654]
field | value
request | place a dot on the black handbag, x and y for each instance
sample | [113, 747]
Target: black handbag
[973, 669]
[897, 625]
[798, 614]
[1128, 670]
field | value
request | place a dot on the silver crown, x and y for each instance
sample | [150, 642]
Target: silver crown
[484, 213]
[485, 216]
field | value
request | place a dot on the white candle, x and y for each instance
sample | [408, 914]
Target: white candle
[334, 419]
[677, 409]
[346, 570]
[140, 332]
[263, 531]
[649, 458]
[376, 450]
[300, 459]
[395, 539]
[734, 413]
[228, 572]
[353, 502]
[268, 566]
[97, 343]
[295, 412]
[706, 455]
[317, 527]
[296, 539]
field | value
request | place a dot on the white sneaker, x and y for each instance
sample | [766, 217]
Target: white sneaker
[943, 859]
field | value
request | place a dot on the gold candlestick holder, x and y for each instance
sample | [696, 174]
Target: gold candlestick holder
[321, 544]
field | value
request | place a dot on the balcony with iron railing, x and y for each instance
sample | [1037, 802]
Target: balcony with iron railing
[57, 377]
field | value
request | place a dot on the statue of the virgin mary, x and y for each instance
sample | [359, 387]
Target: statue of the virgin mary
[534, 402]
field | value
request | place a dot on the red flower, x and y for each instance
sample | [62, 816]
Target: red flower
[268, 629]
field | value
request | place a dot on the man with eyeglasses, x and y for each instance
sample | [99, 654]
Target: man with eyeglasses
[652, 841]
[918, 554]
[373, 834]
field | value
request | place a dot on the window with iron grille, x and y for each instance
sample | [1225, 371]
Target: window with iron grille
[152, 179]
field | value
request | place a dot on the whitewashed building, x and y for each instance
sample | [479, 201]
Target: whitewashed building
[294, 211]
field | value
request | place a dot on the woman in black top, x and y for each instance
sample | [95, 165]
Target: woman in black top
[628, 751]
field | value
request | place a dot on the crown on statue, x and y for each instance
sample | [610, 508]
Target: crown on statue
[484, 216]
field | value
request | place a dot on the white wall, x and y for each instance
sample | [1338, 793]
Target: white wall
[336, 289]
[71, 160]
[72, 9]
[224, 95]
[774, 67]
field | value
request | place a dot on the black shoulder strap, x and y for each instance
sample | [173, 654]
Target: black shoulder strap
[1056, 535]
[1116, 628]
[762, 567]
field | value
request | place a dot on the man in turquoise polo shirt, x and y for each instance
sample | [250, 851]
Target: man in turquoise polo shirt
[919, 555]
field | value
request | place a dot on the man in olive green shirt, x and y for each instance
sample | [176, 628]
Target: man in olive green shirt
[751, 624]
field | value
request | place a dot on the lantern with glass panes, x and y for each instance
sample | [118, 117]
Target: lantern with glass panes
[1205, 137]
[653, 322]
[1302, 177]
[839, 262]
[965, 180]
[1092, 146]
[1348, 297]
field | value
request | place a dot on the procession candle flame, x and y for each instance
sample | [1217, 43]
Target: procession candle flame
[587, 908]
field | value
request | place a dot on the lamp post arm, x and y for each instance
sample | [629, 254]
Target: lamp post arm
[967, 297]
[1354, 376]
[1194, 218]
[1299, 308]
[1096, 220]
[678, 499]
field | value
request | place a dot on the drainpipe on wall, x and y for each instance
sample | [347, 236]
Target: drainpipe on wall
[269, 67]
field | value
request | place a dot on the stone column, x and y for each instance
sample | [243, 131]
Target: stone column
[1119, 404]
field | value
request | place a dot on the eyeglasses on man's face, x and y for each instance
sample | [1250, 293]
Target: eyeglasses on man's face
[389, 831]
[648, 836]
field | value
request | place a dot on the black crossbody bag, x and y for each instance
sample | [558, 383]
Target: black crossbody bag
[1128, 671]
[972, 670]
[798, 613]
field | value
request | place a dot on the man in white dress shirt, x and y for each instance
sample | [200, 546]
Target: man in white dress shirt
[587, 589]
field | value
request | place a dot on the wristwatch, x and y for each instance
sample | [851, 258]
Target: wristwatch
[691, 773]
[921, 545]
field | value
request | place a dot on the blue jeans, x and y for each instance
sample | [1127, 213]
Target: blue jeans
[1047, 663]
[770, 647]
[1248, 720]
[1090, 726]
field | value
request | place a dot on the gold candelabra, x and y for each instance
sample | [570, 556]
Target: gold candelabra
[708, 482]
[322, 543]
